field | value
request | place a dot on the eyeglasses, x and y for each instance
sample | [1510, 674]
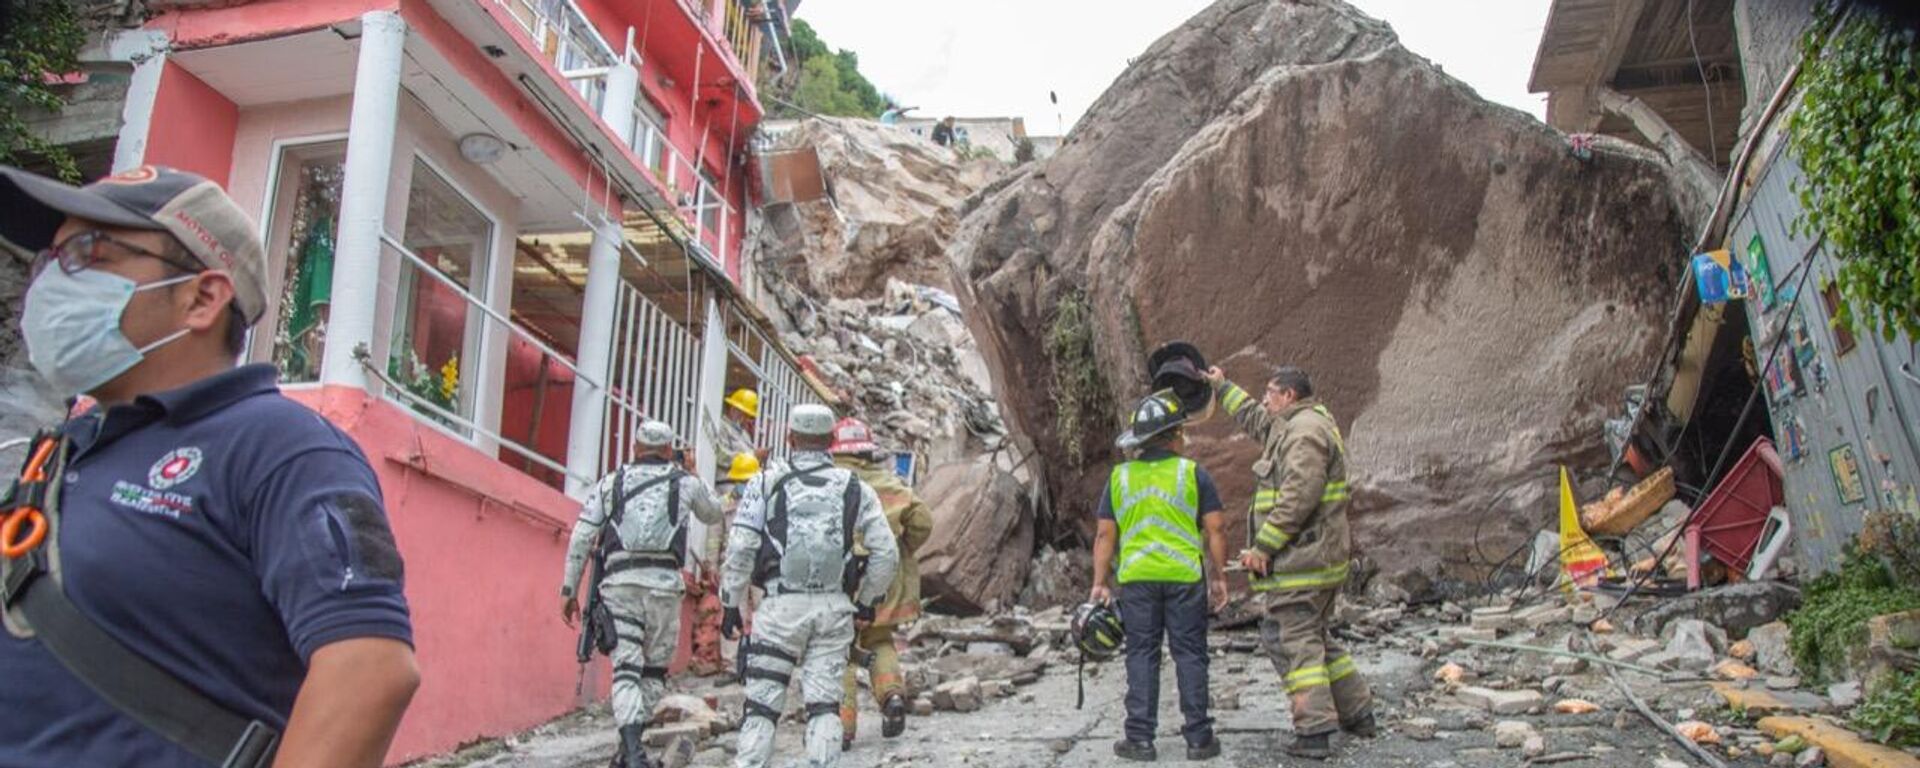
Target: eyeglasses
[81, 251]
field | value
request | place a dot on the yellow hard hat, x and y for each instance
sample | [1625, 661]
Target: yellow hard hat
[744, 467]
[745, 401]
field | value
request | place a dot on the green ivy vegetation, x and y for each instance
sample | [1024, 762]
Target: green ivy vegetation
[37, 37]
[1891, 715]
[829, 82]
[1836, 605]
[1857, 134]
[1079, 391]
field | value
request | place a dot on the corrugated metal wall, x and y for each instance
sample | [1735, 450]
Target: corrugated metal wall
[1847, 415]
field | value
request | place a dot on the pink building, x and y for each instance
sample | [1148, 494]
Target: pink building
[506, 231]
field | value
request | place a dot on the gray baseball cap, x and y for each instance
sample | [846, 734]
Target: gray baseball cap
[197, 212]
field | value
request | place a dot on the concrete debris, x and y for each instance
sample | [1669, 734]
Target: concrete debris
[1734, 609]
[1741, 650]
[1535, 745]
[1575, 707]
[1730, 669]
[1328, 138]
[904, 361]
[1845, 695]
[1058, 578]
[1453, 674]
[1500, 702]
[1420, 728]
[1697, 732]
[962, 695]
[1811, 757]
[893, 200]
[1771, 654]
[1508, 734]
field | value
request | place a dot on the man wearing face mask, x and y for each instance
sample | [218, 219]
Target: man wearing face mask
[197, 570]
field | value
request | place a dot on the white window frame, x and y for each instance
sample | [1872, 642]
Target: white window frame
[472, 369]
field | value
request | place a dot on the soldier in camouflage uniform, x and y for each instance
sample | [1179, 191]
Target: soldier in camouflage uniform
[646, 505]
[1299, 554]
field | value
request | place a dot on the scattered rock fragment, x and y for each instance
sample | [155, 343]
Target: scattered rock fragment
[1508, 734]
[1844, 695]
[1575, 707]
[1730, 669]
[1698, 732]
[1420, 728]
[1500, 702]
[1811, 757]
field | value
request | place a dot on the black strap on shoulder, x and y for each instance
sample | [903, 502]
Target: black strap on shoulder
[136, 687]
[850, 514]
[610, 529]
[773, 536]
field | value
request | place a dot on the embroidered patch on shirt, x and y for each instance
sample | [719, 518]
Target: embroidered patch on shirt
[150, 501]
[178, 466]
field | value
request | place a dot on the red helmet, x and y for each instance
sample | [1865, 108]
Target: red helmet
[851, 435]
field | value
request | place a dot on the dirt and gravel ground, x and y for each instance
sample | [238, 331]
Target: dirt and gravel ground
[1037, 726]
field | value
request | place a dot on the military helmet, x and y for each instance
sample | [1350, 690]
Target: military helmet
[1097, 631]
[1154, 414]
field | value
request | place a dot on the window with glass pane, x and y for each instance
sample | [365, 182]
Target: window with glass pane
[710, 203]
[305, 218]
[436, 322]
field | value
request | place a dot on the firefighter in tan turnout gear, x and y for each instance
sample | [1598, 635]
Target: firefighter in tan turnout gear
[793, 537]
[639, 515]
[912, 524]
[1299, 553]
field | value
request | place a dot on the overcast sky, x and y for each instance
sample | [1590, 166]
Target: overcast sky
[1000, 57]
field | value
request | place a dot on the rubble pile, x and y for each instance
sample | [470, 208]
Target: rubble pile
[892, 202]
[1283, 182]
[905, 363]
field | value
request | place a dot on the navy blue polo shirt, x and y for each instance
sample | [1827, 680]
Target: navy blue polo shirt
[1209, 493]
[223, 531]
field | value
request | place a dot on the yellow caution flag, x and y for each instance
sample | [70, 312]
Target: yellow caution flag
[1580, 560]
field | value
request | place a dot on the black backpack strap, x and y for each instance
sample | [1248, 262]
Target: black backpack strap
[677, 543]
[134, 686]
[774, 526]
[610, 530]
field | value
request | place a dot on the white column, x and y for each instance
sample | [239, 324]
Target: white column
[623, 85]
[147, 51]
[710, 408]
[598, 314]
[363, 197]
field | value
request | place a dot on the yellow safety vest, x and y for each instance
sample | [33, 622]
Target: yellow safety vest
[1157, 507]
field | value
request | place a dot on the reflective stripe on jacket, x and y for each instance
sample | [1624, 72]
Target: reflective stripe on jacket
[1298, 516]
[1157, 507]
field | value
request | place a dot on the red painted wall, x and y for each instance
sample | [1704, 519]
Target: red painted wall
[192, 127]
[484, 549]
[484, 546]
[230, 23]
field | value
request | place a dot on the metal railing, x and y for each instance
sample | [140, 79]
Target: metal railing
[566, 38]
[743, 34]
[656, 370]
[781, 385]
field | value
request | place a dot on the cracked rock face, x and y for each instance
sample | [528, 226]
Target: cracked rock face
[1282, 182]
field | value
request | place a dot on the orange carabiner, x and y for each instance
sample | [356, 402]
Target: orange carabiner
[13, 543]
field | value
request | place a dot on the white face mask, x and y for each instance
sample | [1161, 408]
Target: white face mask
[72, 326]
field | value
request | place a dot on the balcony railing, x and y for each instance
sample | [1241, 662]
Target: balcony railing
[584, 58]
[743, 29]
[567, 39]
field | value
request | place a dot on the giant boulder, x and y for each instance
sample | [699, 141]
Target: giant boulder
[1280, 181]
[982, 541]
